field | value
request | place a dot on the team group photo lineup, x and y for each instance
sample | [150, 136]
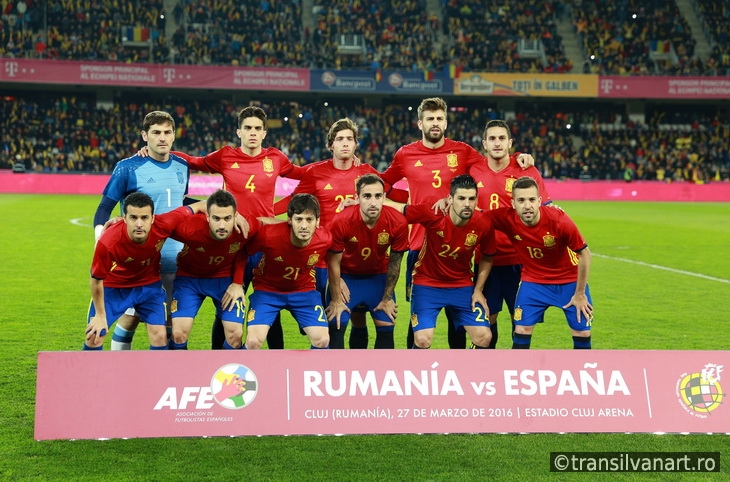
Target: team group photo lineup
[478, 231]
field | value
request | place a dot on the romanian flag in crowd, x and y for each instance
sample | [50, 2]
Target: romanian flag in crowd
[378, 75]
[427, 75]
[660, 46]
[454, 71]
[135, 34]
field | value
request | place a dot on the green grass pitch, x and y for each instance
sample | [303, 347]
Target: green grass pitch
[659, 279]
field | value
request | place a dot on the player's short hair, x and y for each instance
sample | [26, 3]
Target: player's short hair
[157, 117]
[367, 180]
[431, 104]
[497, 123]
[462, 181]
[301, 203]
[222, 199]
[251, 111]
[138, 200]
[341, 125]
[524, 182]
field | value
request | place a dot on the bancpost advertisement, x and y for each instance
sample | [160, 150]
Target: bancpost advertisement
[82, 395]
[526, 85]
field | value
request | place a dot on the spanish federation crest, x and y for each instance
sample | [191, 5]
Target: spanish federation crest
[313, 258]
[471, 239]
[452, 160]
[268, 165]
[548, 240]
[234, 247]
[383, 238]
[159, 244]
[508, 184]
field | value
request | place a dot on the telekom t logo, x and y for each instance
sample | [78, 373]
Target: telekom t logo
[11, 68]
[606, 85]
[168, 74]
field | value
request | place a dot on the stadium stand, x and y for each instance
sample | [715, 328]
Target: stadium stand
[715, 16]
[628, 37]
[66, 133]
[485, 36]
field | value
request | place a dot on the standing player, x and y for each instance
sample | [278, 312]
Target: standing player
[442, 275]
[429, 165]
[284, 278]
[249, 173]
[164, 177]
[555, 264]
[495, 179]
[333, 181]
[211, 264]
[125, 271]
[368, 242]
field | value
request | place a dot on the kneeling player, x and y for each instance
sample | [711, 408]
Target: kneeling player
[211, 265]
[368, 242]
[284, 278]
[126, 270]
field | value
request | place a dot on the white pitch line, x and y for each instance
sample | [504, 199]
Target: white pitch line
[77, 222]
[656, 266]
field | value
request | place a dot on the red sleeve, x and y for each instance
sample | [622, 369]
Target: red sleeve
[394, 173]
[281, 205]
[239, 266]
[296, 172]
[398, 195]
[285, 165]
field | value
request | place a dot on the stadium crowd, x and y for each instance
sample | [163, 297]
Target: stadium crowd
[618, 37]
[71, 134]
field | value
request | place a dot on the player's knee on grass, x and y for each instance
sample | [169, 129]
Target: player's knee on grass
[256, 336]
[157, 334]
[181, 329]
[234, 333]
[481, 336]
[423, 338]
[524, 330]
[318, 337]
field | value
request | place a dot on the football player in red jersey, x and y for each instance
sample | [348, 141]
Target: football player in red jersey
[495, 179]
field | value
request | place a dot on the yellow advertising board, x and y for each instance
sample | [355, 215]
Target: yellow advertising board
[526, 85]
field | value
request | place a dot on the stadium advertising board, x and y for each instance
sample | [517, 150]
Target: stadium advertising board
[665, 87]
[153, 75]
[533, 85]
[236, 393]
[381, 82]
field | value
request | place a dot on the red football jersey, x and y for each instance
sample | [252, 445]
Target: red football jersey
[285, 268]
[429, 173]
[547, 251]
[202, 256]
[329, 185]
[446, 256]
[251, 180]
[122, 263]
[367, 251]
[495, 191]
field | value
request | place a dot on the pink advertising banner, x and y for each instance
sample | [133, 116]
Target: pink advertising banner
[570, 190]
[152, 75]
[82, 395]
[664, 87]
